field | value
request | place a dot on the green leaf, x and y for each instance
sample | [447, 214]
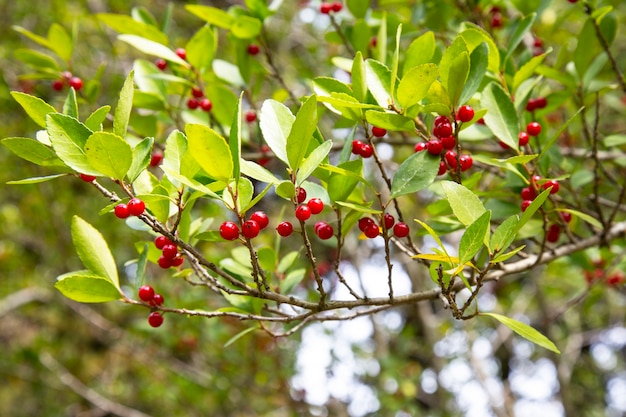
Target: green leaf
[201, 49]
[390, 121]
[585, 217]
[313, 160]
[241, 334]
[420, 51]
[477, 71]
[124, 107]
[141, 158]
[380, 51]
[394, 63]
[301, 133]
[189, 182]
[109, 154]
[521, 28]
[93, 251]
[504, 234]
[341, 185]
[246, 27]
[417, 172]
[68, 137]
[33, 151]
[286, 189]
[474, 35]
[60, 42]
[211, 151]
[527, 70]
[475, 235]
[140, 272]
[175, 149]
[36, 108]
[456, 49]
[212, 15]
[466, 206]
[504, 256]
[524, 330]
[234, 139]
[128, 25]
[532, 209]
[415, 84]
[256, 171]
[457, 77]
[378, 81]
[36, 180]
[70, 106]
[358, 8]
[292, 279]
[95, 119]
[359, 78]
[501, 117]
[244, 192]
[276, 120]
[153, 48]
[87, 287]
[36, 59]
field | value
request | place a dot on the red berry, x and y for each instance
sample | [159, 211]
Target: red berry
[373, 42]
[87, 178]
[261, 218]
[450, 158]
[401, 229]
[157, 300]
[528, 193]
[121, 211]
[146, 293]
[443, 168]
[155, 319]
[442, 130]
[316, 205]
[615, 279]
[535, 179]
[365, 222]
[229, 231]
[441, 120]
[503, 145]
[434, 147]
[372, 230]
[537, 43]
[336, 6]
[76, 83]
[301, 195]
[465, 114]
[356, 147]
[57, 85]
[533, 129]
[366, 150]
[573, 1]
[253, 49]
[553, 233]
[284, 229]
[566, 216]
[523, 138]
[161, 64]
[303, 213]
[192, 103]
[448, 142]
[178, 260]
[161, 241]
[531, 105]
[541, 102]
[379, 132]
[466, 162]
[480, 121]
[164, 262]
[170, 251]
[196, 92]
[206, 104]
[250, 229]
[155, 159]
[136, 207]
[182, 54]
[325, 8]
[250, 116]
[525, 204]
[388, 220]
[324, 230]
[496, 20]
[552, 183]
[420, 146]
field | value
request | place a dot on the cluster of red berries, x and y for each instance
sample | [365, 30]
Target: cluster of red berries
[147, 295]
[370, 229]
[134, 207]
[536, 104]
[613, 280]
[249, 229]
[198, 100]
[67, 79]
[170, 257]
[529, 193]
[327, 8]
[364, 150]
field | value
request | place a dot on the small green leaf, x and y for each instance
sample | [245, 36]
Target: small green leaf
[153, 48]
[420, 51]
[36, 108]
[234, 139]
[201, 49]
[256, 171]
[417, 172]
[36, 59]
[292, 279]
[532, 209]
[394, 63]
[524, 330]
[585, 217]
[457, 77]
[466, 206]
[276, 120]
[301, 133]
[358, 8]
[475, 235]
[36, 180]
[211, 151]
[456, 49]
[213, 15]
[68, 137]
[141, 158]
[340, 185]
[313, 160]
[521, 28]
[109, 154]
[33, 151]
[241, 334]
[140, 272]
[87, 287]
[93, 251]
[501, 117]
[378, 81]
[286, 189]
[474, 35]
[390, 121]
[128, 25]
[504, 234]
[415, 84]
[34, 37]
[124, 107]
[527, 70]
[504, 256]
[359, 78]
[477, 71]
[175, 149]
[189, 182]
[246, 27]
[70, 106]
[60, 42]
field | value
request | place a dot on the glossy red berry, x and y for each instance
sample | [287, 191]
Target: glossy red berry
[553, 233]
[76, 83]
[356, 147]
[229, 231]
[155, 319]
[161, 64]
[388, 220]
[196, 92]
[146, 293]
[303, 213]
[136, 207]
[164, 262]
[156, 158]
[316, 205]
[443, 168]
[160, 242]
[434, 147]
[121, 211]
[372, 230]
[301, 195]
[523, 138]
[87, 178]
[566, 216]
[261, 218]
[466, 162]
[442, 130]
[541, 102]
[206, 105]
[365, 222]
[336, 6]
[450, 158]
[192, 103]
[250, 116]
[465, 113]
[324, 230]
[401, 229]
[178, 260]
[441, 120]
[379, 132]
[58, 85]
[366, 150]
[528, 193]
[496, 20]
[420, 146]
[503, 145]
[250, 229]
[325, 8]
[552, 183]
[157, 300]
[448, 142]
[253, 49]
[182, 54]
[170, 251]
[525, 204]
[533, 129]
[284, 229]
